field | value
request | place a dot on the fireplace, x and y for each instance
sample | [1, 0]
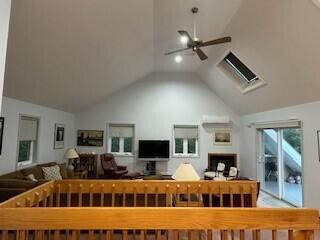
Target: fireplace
[229, 159]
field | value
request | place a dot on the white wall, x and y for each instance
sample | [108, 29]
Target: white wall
[5, 7]
[11, 109]
[310, 117]
[154, 104]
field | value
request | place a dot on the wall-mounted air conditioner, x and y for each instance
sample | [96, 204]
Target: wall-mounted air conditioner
[207, 119]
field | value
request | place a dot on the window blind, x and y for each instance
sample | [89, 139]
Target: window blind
[278, 124]
[185, 132]
[28, 128]
[120, 131]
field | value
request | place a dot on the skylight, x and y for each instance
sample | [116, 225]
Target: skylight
[240, 73]
[240, 68]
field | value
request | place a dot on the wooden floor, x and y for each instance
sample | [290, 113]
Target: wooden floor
[265, 200]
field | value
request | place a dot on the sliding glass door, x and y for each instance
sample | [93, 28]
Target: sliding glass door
[279, 163]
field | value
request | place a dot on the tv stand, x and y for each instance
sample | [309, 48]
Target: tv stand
[151, 168]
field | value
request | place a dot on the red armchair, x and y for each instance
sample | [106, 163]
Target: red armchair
[110, 167]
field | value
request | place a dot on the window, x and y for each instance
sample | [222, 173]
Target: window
[27, 140]
[121, 139]
[185, 141]
[240, 68]
[241, 74]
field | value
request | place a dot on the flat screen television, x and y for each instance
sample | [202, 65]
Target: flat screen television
[154, 150]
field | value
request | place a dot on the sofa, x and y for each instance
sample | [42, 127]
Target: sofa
[17, 182]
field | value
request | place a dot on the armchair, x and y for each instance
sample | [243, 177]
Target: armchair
[110, 167]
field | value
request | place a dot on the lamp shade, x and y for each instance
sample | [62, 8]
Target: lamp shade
[185, 172]
[71, 153]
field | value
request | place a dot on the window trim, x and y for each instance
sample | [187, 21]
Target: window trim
[185, 153]
[34, 152]
[121, 152]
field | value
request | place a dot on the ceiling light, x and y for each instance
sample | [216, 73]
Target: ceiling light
[178, 59]
[184, 39]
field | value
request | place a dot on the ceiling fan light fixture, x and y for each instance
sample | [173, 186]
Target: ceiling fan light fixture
[178, 59]
[184, 39]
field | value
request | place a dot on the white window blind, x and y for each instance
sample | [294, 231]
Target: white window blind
[278, 124]
[185, 132]
[28, 128]
[120, 131]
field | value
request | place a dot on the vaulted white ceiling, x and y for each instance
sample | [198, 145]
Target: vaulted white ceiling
[70, 54]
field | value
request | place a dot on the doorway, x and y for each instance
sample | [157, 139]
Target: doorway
[280, 163]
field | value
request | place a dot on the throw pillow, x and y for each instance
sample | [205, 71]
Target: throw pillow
[52, 173]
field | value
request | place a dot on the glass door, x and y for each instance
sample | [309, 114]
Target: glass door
[291, 166]
[269, 161]
[280, 163]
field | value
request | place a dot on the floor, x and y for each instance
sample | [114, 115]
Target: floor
[265, 200]
[292, 191]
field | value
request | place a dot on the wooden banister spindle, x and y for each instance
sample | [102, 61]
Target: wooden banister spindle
[167, 196]
[37, 199]
[254, 196]
[124, 196]
[124, 235]
[45, 198]
[209, 235]
[51, 196]
[102, 195]
[80, 195]
[58, 195]
[188, 195]
[290, 235]
[157, 196]
[146, 195]
[274, 235]
[242, 237]
[91, 195]
[199, 195]
[178, 192]
[113, 189]
[241, 196]
[134, 196]
[221, 196]
[210, 196]
[57, 235]
[91, 235]
[69, 195]
[231, 196]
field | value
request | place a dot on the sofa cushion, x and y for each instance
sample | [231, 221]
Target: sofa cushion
[52, 173]
[12, 175]
[36, 171]
[17, 183]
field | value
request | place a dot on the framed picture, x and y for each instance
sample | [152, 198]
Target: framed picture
[90, 138]
[222, 137]
[58, 136]
[1, 132]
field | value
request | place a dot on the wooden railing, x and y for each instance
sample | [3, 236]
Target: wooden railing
[158, 223]
[77, 209]
[149, 193]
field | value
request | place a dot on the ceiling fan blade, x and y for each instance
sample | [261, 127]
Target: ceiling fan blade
[176, 51]
[201, 54]
[185, 33]
[216, 41]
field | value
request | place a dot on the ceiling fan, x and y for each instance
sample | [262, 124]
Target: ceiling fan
[196, 44]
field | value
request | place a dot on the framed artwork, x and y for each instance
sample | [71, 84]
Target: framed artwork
[222, 137]
[58, 136]
[90, 138]
[1, 132]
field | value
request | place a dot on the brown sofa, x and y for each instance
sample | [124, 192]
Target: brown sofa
[17, 182]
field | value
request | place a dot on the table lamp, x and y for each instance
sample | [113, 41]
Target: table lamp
[185, 172]
[71, 154]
